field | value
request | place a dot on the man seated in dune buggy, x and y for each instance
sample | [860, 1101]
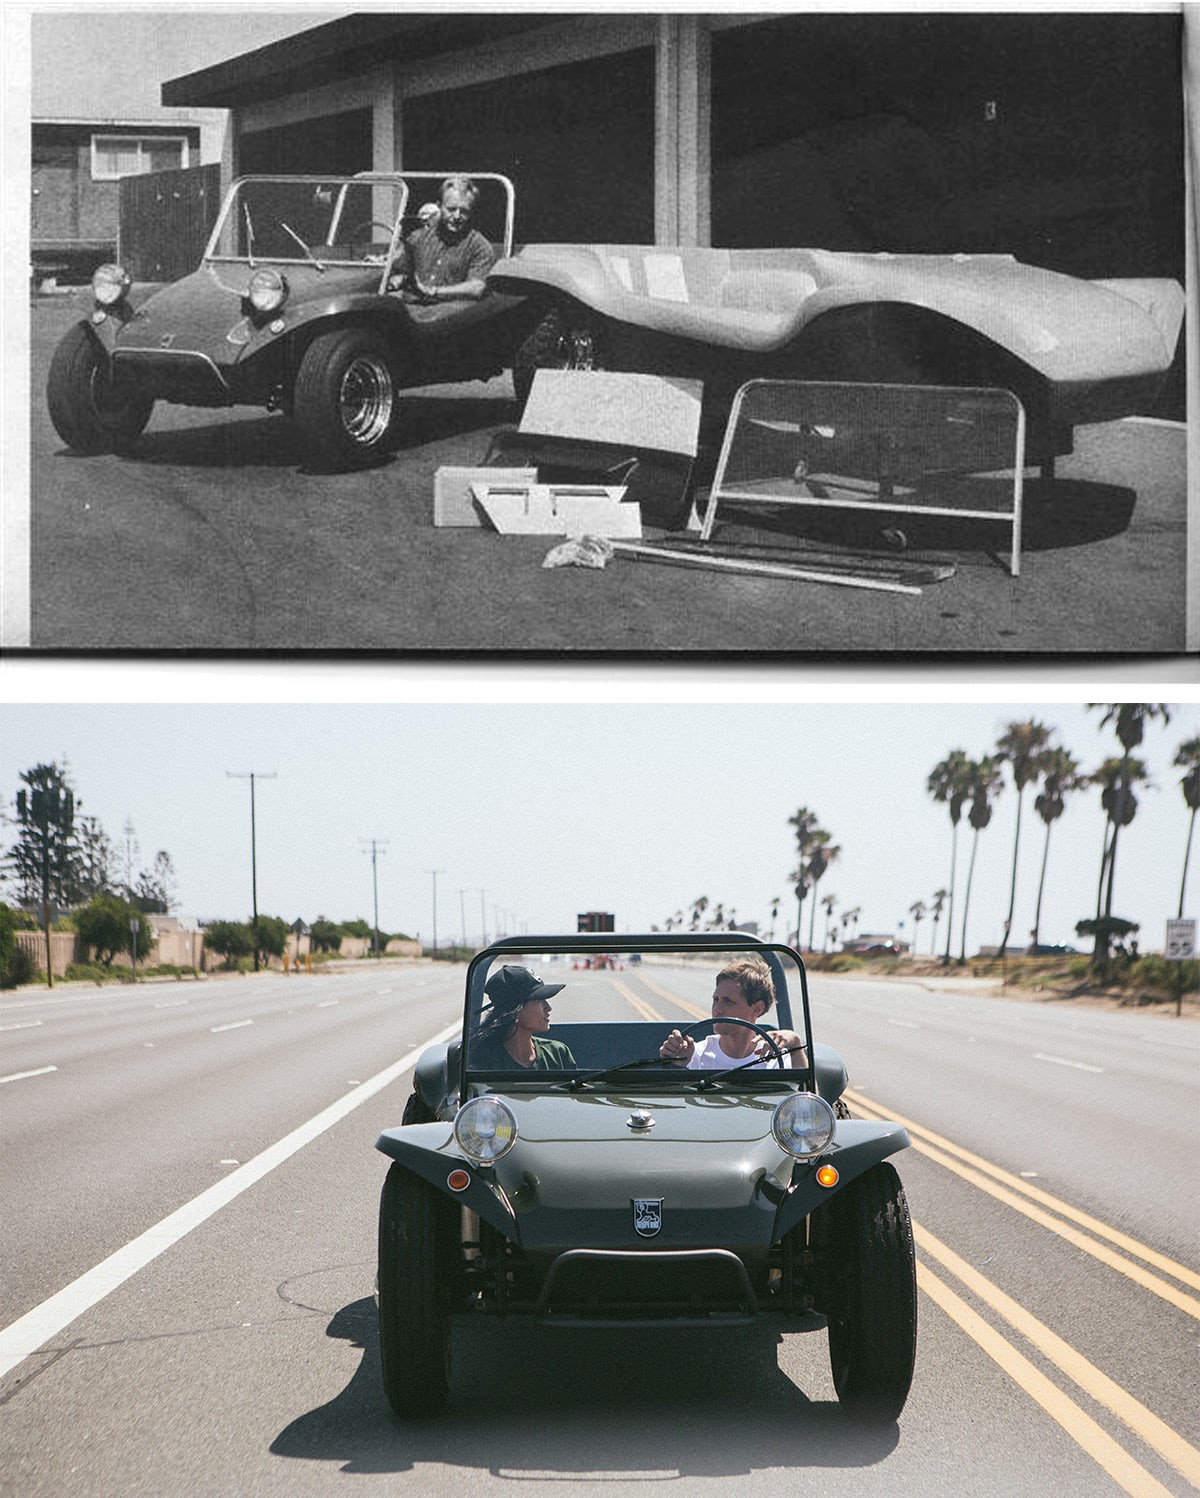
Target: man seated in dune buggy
[743, 993]
[446, 259]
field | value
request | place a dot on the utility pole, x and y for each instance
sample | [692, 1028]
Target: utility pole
[376, 844]
[482, 920]
[251, 776]
[434, 873]
[462, 910]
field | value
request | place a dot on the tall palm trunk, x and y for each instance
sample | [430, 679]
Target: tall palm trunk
[962, 954]
[1187, 853]
[812, 915]
[1012, 888]
[1037, 914]
[950, 904]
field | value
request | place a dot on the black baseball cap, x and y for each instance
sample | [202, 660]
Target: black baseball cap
[511, 986]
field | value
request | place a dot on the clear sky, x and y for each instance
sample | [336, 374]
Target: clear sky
[554, 808]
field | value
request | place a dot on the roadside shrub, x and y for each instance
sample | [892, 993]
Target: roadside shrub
[846, 963]
[17, 968]
[1155, 972]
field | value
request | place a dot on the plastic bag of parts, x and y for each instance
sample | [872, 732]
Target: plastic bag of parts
[580, 551]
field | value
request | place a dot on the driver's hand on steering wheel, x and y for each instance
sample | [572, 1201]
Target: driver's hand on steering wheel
[789, 1043]
[677, 1047]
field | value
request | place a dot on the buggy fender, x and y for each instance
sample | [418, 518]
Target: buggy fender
[428, 1150]
[573, 270]
[388, 316]
[857, 1146]
[435, 1073]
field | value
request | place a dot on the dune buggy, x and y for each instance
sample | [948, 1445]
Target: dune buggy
[288, 310]
[613, 1187]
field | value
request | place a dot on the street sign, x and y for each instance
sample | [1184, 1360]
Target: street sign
[1181, 941]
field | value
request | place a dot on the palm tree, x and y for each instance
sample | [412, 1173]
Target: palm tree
[823, 854]
[850, 918]
[1116, 778]
[986, 777]
[1129, 720]
[806, 826]
[717, 919]
[1022, 745]
[940, 896]
[949, 782]
[1188, 760]
[775, 899]
[1060, 776]
[918, 912]
[827, 904]
[698, 908]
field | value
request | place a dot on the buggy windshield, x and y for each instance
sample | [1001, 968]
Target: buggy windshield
[584, 1012]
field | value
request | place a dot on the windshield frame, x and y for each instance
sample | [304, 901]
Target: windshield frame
[619, 1077]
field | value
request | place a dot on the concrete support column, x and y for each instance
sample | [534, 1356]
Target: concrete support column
[387, 152]
[683, 131]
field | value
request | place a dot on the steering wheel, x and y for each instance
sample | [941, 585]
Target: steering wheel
[760, 1030]
[352, 235]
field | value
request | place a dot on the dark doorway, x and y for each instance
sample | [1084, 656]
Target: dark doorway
[334, 143]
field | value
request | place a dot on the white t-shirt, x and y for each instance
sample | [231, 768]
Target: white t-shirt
[709, 1054]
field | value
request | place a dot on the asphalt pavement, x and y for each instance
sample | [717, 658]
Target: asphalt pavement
[1056, 1263]
[211, 537]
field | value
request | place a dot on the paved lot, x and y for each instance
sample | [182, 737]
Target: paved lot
[212, 538]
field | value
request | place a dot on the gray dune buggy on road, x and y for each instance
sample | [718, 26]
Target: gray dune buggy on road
[288, 310]
[610, 1187]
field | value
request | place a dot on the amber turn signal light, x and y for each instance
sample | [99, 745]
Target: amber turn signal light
[459, 1180]
[827, 1176]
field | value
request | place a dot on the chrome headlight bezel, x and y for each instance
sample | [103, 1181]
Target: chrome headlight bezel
[803, 1125]
[267, 291]
[110, 284]
[485, 1129]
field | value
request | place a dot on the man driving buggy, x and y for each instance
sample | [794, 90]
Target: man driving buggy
[446, 259]
[743, 991]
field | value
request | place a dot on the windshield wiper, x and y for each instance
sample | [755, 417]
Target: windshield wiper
[577, 1084]
[288, 230]
[249, 234]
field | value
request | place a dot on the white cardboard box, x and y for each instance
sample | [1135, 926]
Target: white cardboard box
[517, 509]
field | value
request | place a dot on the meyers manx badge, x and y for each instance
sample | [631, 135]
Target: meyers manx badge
[647, 1215]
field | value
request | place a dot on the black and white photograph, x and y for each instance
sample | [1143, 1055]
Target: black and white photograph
[426, 332]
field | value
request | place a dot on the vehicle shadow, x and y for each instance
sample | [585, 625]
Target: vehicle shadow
[260, 442]
[536, 1404]
[427, 418]
[1056, 515]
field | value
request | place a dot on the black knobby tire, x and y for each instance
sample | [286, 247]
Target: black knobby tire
[92, 412]
[344, 400]
[871, 1302]
[414, 1337]
[562, 340]
[417, 1110]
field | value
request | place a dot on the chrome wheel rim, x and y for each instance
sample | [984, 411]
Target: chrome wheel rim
[365, 399]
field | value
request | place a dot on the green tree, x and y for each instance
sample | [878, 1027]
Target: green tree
[1117, 779]
[154, 891]
[940, 896]
[272, 935]
[699, 906]
[775, 903]
[805, 825]
[326, 935]
[1060, 778]
[95, 861]
[949, 783]
[43, 863]
[105, 924]
[828, 902]
[1022, 745]
[986, 778]
[1188, 760]
[229, 939]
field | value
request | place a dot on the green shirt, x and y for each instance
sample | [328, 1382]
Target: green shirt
[548, 1055]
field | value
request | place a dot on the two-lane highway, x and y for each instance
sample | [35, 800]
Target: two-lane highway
[228, 1345]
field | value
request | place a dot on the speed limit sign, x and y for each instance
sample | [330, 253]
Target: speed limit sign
[1181, 941]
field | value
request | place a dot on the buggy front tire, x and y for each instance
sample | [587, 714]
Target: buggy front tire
[414, 1334]
[871, 1302]
[344, 400]
[93, 410]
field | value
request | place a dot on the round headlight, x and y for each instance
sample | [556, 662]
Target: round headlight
[267, 290]
[803, 1125]
[110, 283]
[485, 1129]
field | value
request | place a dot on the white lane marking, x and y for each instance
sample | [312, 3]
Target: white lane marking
[238, 1024]
[17, 1076]
[1062, 1061]
[29, 1024]
[328, 1003]
[905, 1024]
[29, 1332]
[173, 1004]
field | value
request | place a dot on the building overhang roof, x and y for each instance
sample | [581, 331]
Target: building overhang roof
[341, 48]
